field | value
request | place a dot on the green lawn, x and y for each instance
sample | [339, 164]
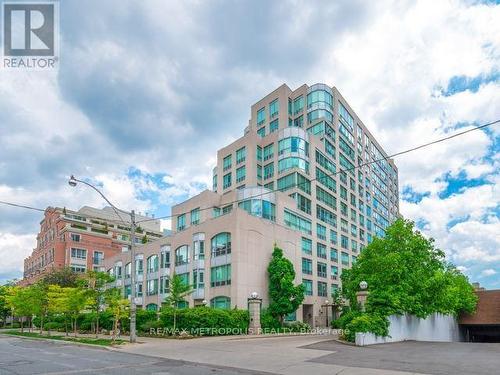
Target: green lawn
[82, 340]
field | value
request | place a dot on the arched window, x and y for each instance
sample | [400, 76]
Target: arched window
[221, 244]
[152, 263]
[128, 269]
[182, 255]
[152, 307]
[220, 302]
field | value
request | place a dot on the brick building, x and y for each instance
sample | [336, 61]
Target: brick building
[81, 240]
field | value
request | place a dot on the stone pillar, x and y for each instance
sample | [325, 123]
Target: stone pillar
[361, 297]
[254, 305]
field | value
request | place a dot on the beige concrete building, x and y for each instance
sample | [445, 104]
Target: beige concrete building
[307, 175]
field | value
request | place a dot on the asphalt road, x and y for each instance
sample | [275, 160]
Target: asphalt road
[439, 358]
[22, 356]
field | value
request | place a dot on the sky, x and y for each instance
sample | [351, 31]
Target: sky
[147, 92]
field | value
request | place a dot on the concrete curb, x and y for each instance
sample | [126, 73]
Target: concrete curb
[62, 341]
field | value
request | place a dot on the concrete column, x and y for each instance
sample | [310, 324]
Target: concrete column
[361, 297]
[254, 327]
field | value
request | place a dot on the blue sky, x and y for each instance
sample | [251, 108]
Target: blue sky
[147, 92]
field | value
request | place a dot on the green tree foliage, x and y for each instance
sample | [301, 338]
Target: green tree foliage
[118, 306]
[18, 300]
[406, 273]
[95, 283]
[4, 306]
[64, 277]
[285, 297]
[68, 301]
[177, 292]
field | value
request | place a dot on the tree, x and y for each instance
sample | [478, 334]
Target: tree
[68, 301]
[337, 302]
[178, 290]
[37, 294]
[118, 306]
[4, 306]
[285, 297]
[406, 273]
[18, 300]
[64, 277]
[95, 282]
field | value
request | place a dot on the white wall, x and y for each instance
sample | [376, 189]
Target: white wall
[436, 327]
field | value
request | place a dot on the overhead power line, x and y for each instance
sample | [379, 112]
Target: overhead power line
[298, 185]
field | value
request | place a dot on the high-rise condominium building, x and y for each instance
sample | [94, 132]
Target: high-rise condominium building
[306, 175]
[82, 240]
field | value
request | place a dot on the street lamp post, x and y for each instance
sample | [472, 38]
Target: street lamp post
[133, 335]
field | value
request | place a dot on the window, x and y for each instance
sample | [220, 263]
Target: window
[181, 222]
[139, 266]
[152, 287]
[344, 242]
[164, 284]
[321, 231]
[297, 222]
[75, 237]
[307, 266]
[152, 263]
[308, 287]
[298, 122]
[199, 246]
[322, 289]
[294, 180]
[326, 180]
[334, 272]
[325, 197]
[269, 185]
[241, 155]
[330, 149]
[319, 113]
[346, 148]
[198, 279]
[298, 105]
[227, 209]
[259, 172]
[226, 181]
[128, 270]
[182, 255]
[268, 171]
[293, 162]
[306, 245]
[195, 216]
[165, 257]
[326, 216]
[333, 237]
[221, 244]
[78, 253]
[303, 203]
[152, 307]
[293, 144]
[259, 208]
[322, 160]
[334, 255]
[269, 152]
[346, 164]
[317, 96]
[321, 269]
[261, 116]
[274, 108]
[220, 275]
[262, 132]
[184, 278]
[345, 117]
[240, 174]
[321, 250]
[259, 153]
[345, 258]
[221, 302]
[214, 182]
[227, 162]
[78, 268]
[98, 258]
[273, 126]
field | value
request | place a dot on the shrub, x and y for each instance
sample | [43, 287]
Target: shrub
[366, 323]
[267, 321]
[298, 326]
[192, 319]
[53, 326]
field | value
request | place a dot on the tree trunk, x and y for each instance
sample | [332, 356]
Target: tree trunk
[41, 324]
[115, 327]
[74, 327]
[97, 326]
[175, 319]
[66, 325]
[31, 323]
[22, 325]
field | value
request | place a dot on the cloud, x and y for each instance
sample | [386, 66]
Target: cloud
[489, 272]
[148, 91]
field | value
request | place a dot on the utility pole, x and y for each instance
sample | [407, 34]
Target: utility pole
[133, 275]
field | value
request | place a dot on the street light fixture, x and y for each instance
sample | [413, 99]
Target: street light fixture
[73, 181]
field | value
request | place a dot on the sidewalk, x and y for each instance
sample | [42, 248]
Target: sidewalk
[280, 355]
